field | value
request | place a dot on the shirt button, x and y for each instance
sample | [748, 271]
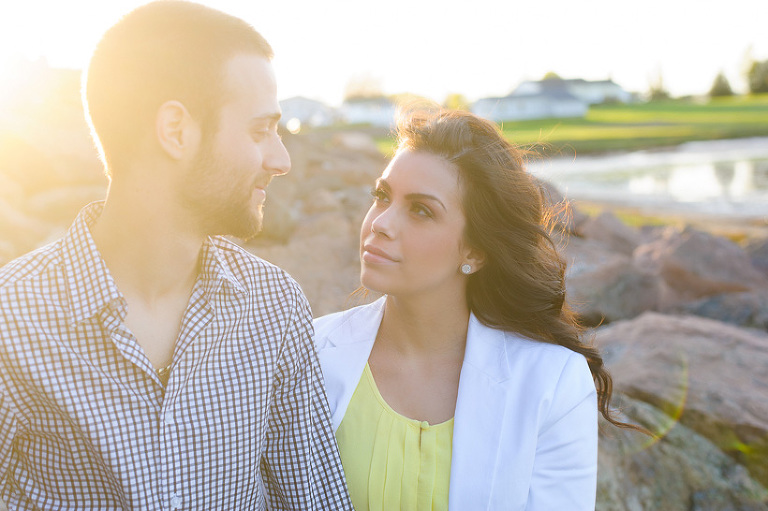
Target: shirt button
[168, 418]
[175, 501]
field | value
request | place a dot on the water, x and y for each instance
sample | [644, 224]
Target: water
[723, 177]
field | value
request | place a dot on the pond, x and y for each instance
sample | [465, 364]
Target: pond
[723, 177]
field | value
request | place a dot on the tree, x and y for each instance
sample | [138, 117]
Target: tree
[363, 86]
[409, 99]
[456, 101]
[551, 75]
[757, 77]
[720, 87]
[657, 91]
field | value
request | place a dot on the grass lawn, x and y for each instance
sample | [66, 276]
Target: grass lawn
[645, 125]
[618, 127]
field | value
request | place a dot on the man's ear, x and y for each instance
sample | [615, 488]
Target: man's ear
[176, 131]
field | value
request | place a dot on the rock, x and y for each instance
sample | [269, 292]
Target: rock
[19, 232]
[356, 201]
[7, 251]
[680, 471]
[353, 169]
[564, 215]
[757, 249]
[356, 142]
[322, 201]
[61, 205]
[323, 259]
[280, 220]
[11, 192]
[609, 230]
[749, 309]
[604, 286]
[25, 164]
[696, 264]
[710, 375]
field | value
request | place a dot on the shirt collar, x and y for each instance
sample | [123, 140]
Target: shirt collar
[90, 285]
[214, 268]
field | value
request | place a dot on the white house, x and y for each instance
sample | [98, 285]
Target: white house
[378, 111]
[537, 105]
[592, 92]
[308, 112]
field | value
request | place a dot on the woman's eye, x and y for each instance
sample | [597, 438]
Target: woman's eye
[422, 210]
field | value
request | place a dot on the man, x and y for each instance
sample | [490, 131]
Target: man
[146, 362]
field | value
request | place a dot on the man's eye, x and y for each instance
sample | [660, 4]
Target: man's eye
[260, 134]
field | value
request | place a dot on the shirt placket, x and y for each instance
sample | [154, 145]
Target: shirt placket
[174, 424]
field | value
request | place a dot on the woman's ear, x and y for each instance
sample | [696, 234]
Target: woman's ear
[176, 131]
[474, 258]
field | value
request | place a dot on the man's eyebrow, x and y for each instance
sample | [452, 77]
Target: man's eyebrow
[267, 117]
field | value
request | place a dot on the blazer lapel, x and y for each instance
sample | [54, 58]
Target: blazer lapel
[479, 418]
[343, 351]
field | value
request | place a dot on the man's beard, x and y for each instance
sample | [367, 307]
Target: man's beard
[221, 209]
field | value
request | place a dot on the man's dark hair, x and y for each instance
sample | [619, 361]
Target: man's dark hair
[161, 51]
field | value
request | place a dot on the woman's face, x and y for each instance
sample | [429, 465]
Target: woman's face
[412, 239]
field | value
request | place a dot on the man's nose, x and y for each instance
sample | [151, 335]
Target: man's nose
[277, 160]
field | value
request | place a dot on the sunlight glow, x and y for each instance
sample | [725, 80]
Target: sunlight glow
[485, 60]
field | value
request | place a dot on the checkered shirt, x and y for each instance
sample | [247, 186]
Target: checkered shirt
[85, 422]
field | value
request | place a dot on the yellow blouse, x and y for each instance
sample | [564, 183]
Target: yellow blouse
[390, 461]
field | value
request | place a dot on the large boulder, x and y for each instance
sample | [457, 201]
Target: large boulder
[603, 285]
[26, 164]
[564, 215]
[757, 249]
[679, 470]
[322, 257]
[612, 232]
[709, 375]
[695, 264]
[356, 142]
[61, 205]
[748, 309]
[19, 232]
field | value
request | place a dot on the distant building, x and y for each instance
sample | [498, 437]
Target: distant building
[591, 92]
[539, 105]
[378, 111]
[308, 112]
[551, 97]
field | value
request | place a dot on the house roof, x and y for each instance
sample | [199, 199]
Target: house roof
[378, 100]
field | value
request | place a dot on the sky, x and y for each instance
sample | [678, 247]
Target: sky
[433, 48]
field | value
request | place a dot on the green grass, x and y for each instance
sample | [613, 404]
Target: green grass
[644, 125]
[617, 127]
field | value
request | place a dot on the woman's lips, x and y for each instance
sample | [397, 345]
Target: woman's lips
[373, 254]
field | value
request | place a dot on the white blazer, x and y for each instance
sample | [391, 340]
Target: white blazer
[525, 426]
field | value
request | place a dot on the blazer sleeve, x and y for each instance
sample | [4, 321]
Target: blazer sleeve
[565, 464]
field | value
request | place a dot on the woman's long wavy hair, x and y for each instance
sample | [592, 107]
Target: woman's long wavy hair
[521, 286]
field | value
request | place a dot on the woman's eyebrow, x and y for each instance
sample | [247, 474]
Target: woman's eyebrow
[425, 196]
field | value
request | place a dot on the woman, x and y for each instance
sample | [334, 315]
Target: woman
[466, 386]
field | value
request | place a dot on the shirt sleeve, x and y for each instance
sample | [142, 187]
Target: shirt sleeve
[301, 466]
[8, 427]
[565, 464]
